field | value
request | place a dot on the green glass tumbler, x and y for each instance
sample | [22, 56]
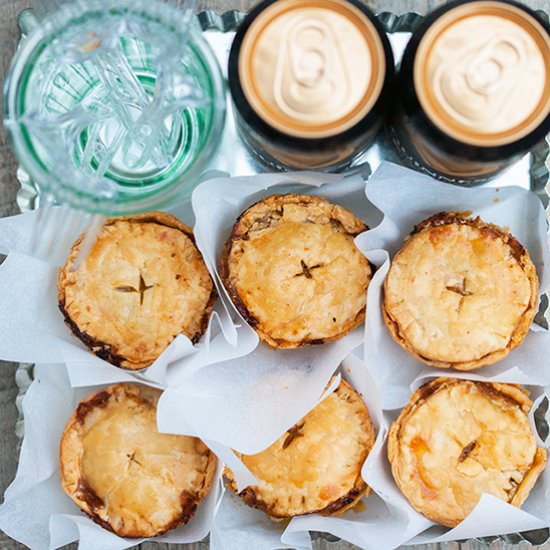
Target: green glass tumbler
[88, 112]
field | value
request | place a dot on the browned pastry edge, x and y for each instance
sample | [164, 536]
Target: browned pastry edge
[84, 496]
[339, 506]
[511, 392]
[339, 215]
[344, 503]
[521, 256]
[103, 349]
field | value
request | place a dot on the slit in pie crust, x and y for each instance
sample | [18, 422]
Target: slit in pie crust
[316, 465]
[143, 283]
[458, 439]
[122, 473]
[293, 271]
[460, 293]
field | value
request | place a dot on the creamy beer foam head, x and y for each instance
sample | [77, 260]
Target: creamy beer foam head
[312, 68]
[482, 73]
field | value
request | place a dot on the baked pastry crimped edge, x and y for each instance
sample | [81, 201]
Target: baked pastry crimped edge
[513, 394]
[267, 497]
[518, 252]
[73, 479]
[106, 350]
[267, 213]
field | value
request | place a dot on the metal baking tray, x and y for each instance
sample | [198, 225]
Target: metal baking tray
[531, 172]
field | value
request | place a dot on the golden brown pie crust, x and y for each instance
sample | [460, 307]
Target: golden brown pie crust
[122, 473]
[293, 271]
[143, 283]
[316, 465]
[460, 293]
[458, 439]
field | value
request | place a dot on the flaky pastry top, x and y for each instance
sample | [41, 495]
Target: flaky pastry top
[143, 283]
[123, 473]
[460, 293]
[294, 272]
[316, 465]
[458, 439]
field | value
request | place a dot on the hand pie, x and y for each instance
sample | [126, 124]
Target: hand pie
[143, 283]
[458, 439]
[126, 476]
[460, 293]
[316, 465]
[293, 271]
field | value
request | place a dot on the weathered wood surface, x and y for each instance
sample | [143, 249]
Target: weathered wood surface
[9, 36]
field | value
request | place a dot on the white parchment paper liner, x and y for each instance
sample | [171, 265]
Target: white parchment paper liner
[36, 511]
[247, 403]
[406, 198]
[32, 326]
[381, 525]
